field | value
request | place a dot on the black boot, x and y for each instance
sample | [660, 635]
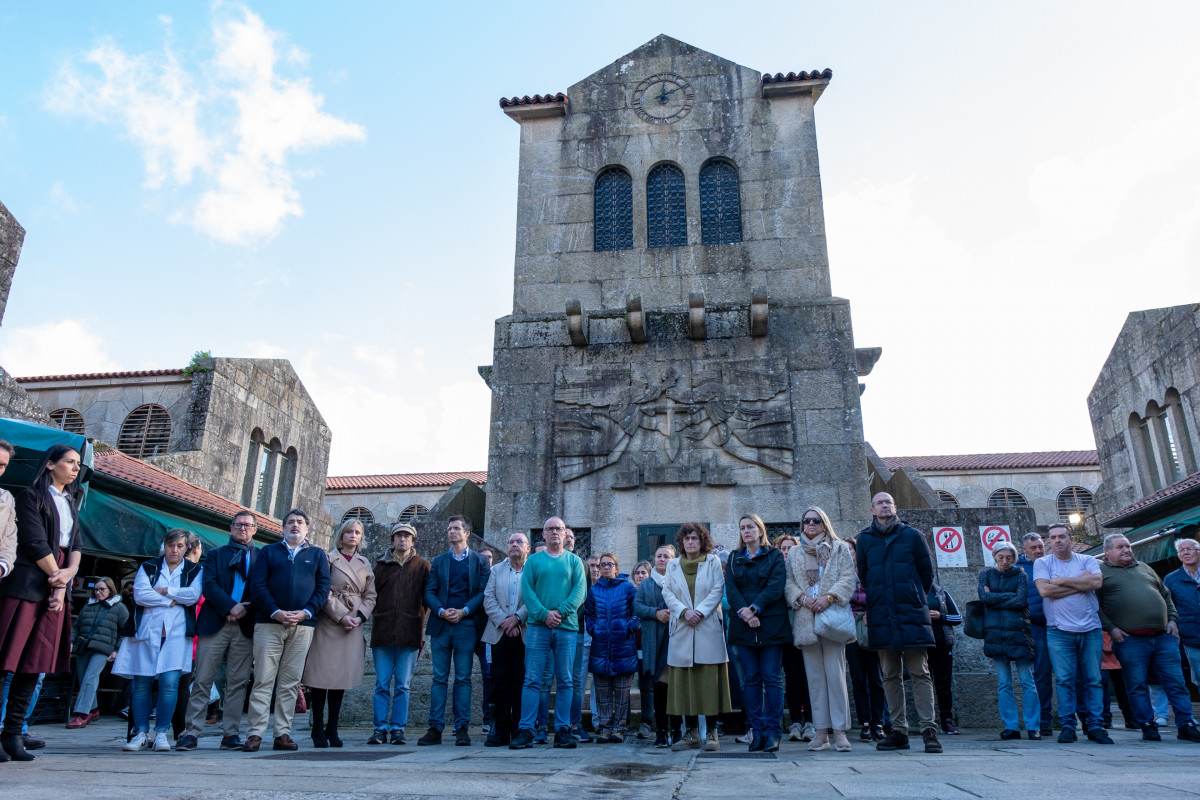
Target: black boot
[14, 747]
[335, 711]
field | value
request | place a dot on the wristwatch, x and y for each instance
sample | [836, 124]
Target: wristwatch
[831, 598]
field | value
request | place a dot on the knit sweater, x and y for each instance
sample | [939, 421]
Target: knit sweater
[1134, 598]
[550, 583]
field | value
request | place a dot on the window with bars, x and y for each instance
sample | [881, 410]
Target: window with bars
[666, 207]
[777, 529]
[413, 514]
[613, 210]
[286, 484]
[720, 203]
[1007, 498]
[946, 499]
[361, 514]
[145, 432]
[1073, 500]
[69, 420]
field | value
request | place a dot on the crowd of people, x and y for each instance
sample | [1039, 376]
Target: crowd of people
[804, 621]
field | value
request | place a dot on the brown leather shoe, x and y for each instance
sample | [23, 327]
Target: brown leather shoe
[284, 743]
[252, 744]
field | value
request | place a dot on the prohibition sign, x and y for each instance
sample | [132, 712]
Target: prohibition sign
[993, 536]
[949, 540]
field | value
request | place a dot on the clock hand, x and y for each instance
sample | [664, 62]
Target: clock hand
[666, 95]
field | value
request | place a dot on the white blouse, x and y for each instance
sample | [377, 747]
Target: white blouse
[66, 522]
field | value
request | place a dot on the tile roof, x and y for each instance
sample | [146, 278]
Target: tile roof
[1042, 460]
[816, 74]
[127, 468]
[537, 99]
[404, 480]
[1179, 487]
[82, 376]
[1080, 547]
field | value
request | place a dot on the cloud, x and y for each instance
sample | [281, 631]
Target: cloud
[221, 132]
[54, 348]
[62, 199]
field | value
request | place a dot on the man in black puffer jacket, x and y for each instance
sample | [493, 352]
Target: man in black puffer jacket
[896, 570]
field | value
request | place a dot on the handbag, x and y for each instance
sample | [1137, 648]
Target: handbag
[836, 624]
[301, 700]
[973, 620]
[860, 631]
[82, 643]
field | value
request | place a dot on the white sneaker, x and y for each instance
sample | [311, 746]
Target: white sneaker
[808, 732]
[745, 738]
[794, 733]
[138, 741]
[161, 743]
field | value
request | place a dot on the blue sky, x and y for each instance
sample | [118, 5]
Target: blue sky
[1003, 183]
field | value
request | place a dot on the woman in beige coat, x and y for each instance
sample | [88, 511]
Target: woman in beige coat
[339, 647]
[697, 678]
[820, 574]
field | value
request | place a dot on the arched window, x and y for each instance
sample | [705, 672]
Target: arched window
[361, 514]
[613, 210]
[286, 483]
[268, 461]
[666, 207]
[1073, 500]
[145, 432]
[414, 513]
[946, 499]
[253, 454]
[1007, 498]
[69, 420]
[720, 203]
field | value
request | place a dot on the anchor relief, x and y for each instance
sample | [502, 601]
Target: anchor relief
[673, 415]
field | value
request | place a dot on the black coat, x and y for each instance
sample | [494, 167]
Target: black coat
[943, 627]
[219, 569]
[37, 537]
[437, 589]
[757, 581]
[896, 570]
[1006, 632]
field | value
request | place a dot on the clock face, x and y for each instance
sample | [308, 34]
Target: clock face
[663, 98]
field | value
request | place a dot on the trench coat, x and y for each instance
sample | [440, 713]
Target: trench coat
[705, 643]
[336, 656]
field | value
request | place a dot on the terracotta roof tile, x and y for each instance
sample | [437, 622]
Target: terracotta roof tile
[537, 99]
[1080, 547]
[127, 468]
[816, 74]
[1190, 482]
[1042, 460]
[81, 376]
[404, 480]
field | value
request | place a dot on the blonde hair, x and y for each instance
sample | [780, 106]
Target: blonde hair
[763, 541]
[824, 519]
[345, 526]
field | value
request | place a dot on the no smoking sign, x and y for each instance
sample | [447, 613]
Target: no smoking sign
[992, 535]
[949, 547]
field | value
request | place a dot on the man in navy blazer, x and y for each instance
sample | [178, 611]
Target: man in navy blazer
[226, 634]
[454, 595]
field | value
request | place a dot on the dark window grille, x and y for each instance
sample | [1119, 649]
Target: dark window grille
[666, 207]
[777, 529]
[69, 420]
[359, 513]
[947, 500]
[412, 514]
[1073, 500]
[614, 210]
[720, 204]
[145, 432]
[1007, 498]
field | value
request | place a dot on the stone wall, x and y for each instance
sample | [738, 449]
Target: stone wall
[1040, 488]
[1153, 372]
[12, 236]
[106, 402]
[385, 505]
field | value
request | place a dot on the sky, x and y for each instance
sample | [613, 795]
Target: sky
[1003, 183]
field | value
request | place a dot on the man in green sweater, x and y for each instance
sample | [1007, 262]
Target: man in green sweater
[553, 587]
[1137, 611]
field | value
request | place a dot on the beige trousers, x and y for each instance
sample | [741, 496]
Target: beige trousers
[230, 647]
[825, 665]
[893, 663]
[279, 652]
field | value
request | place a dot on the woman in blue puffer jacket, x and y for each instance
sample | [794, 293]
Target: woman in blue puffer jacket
[608, 614]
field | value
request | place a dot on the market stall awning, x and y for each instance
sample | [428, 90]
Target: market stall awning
[122, 527]
[32, 441]
[1155, 541]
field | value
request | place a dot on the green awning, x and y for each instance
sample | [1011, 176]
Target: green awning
[122, 527]
[1155, 541]
[32, 441]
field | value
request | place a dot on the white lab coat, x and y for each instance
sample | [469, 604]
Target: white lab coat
[148, 652]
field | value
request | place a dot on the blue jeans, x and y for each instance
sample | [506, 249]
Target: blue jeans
[1008, 701]
[168, 691]
[1159, 652]
[541, 645]
[391, 704]
[763, 688]
[579, 681]
[460, 640]
[1043, 673]
[1193, 657]
[1070, 652]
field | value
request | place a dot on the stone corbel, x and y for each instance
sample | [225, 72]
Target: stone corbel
[635, 320]
[696, 327]
[758, 312]
[576, 323]
[865, 359]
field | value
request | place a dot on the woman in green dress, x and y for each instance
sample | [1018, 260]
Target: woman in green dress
[697, 678]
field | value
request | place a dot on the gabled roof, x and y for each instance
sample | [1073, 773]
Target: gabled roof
[404, 480]
[1163, 496]
[126, 468]
[84, 376]
[1041, 460]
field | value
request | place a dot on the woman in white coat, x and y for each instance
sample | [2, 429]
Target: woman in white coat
[165, 592]
[820, 574]
[697, 678]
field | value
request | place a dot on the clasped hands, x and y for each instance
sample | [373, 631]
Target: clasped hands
[814, 604]
[288, 618]
[749, 617]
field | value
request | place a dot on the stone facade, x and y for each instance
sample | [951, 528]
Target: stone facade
[12, 236]
[1145, 406]
[657, 385]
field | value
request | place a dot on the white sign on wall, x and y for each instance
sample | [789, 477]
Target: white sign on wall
[990, 536]
[950, 547]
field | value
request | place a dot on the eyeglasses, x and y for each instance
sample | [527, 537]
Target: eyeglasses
[607, 565]
[244, 525]
[812, 521]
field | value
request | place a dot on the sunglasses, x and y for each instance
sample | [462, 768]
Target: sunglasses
[812, 521]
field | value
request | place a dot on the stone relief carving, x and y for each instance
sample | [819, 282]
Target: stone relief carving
[672, 415]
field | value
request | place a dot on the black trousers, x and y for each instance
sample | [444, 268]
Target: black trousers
[941, 667]
[869, 700]
[508, 676]
[795, 685]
